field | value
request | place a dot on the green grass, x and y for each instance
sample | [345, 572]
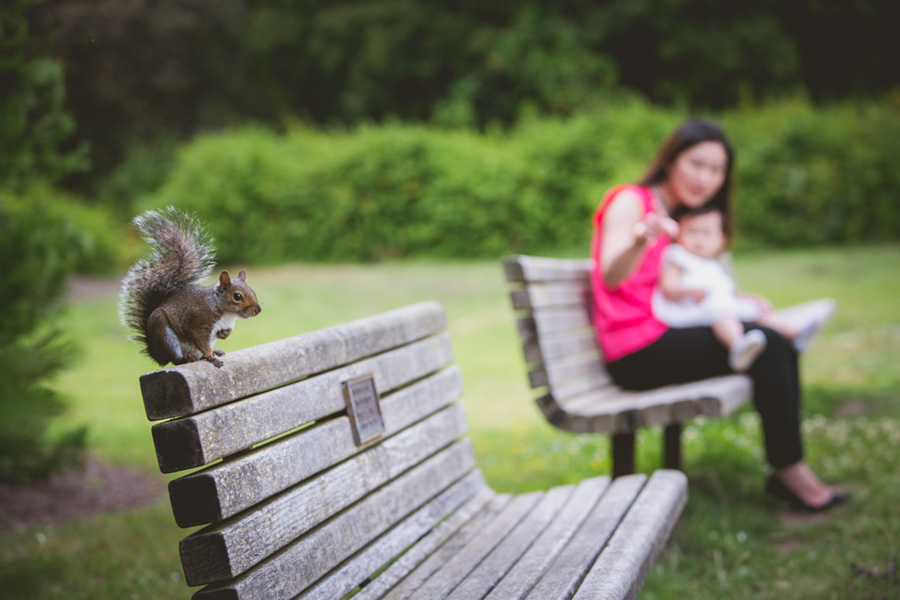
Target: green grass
[732, 541]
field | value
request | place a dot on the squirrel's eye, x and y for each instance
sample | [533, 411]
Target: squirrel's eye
[238, 296]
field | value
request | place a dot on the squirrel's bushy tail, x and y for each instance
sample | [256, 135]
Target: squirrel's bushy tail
[182, 254]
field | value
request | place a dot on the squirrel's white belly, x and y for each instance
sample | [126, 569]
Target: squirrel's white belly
[225, 322]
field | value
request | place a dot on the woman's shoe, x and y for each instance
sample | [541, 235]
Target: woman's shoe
[775, 487]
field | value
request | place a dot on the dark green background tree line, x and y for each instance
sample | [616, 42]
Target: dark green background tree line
[142, 70]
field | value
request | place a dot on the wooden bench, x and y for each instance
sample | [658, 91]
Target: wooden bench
[565, 365]
[309, 499]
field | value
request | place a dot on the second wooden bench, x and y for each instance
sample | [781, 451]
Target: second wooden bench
[566, 367]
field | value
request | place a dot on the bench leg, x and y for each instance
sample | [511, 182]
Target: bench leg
[672, 446]
[622, 454]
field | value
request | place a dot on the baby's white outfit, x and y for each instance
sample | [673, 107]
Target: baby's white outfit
[705, 274]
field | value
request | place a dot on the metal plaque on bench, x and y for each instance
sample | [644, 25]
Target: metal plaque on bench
[363, 408]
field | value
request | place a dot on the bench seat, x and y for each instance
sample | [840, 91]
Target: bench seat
[303, 494]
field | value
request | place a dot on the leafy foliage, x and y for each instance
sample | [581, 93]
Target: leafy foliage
[33, 122]
[36, 253]
[138, 70]
[805, 177]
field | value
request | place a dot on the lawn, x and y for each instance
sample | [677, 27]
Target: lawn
[732, 541]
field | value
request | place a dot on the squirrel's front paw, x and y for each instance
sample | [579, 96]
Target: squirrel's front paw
[218, 352]
[214, 361]
[223, 333]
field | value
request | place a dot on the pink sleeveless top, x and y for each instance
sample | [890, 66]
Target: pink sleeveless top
[623, 316]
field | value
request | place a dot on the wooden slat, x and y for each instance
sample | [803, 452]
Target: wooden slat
[556, 371]
[386, 585]
[609, 409]
[454, 527]
[568, 570]
[191, 388]
[529, 569]
[359, 568]
[200, 439]
[596, 380]
[290, 571]
[537, 268]
[550, 347]
[546, 295]
[552, 320]
[492, 569]
[227, 488]
[453, 570]
[723, 395]
[226, 550]
[622, 568]
[628, 411]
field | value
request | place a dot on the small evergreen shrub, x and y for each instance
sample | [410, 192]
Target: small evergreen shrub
[37, 251]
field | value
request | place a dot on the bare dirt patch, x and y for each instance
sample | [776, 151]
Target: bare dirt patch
[96, 488]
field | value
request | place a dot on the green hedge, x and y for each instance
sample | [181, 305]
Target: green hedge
[810, 177]
[805, 177]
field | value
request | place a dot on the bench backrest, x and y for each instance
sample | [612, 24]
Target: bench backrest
[294, 502]
[558, 339]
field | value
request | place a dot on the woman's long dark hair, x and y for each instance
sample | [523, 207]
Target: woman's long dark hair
[690, 134]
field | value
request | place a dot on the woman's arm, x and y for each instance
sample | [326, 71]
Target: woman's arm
[625, 233]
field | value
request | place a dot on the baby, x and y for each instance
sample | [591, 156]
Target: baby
[695, 290]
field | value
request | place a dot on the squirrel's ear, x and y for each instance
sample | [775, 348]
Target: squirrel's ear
[224, 279]
[243, 275]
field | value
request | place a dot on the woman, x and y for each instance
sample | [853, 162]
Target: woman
[632, 227]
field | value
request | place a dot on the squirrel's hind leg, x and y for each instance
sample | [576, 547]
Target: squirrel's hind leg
[163, 344]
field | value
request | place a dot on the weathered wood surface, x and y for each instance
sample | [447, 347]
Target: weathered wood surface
[552, 297]
[610, 409]
[550, 321]
[228, 549]
[298, 510]
[458, 541]
[187, 389]
[623, 566]
[460, 525]
[544, 545]
[227, 488]
[486, 574]
[560, 345]
[543, 295]
[451, 509]
[539, 557]
[200, 439]
[567, 571]
[555, 372]
[290, 571]
[453, 571]
[537, 268]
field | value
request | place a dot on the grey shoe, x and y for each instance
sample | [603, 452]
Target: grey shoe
[746, 350]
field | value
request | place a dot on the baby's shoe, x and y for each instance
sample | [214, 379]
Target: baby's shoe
[824, 310]
[746, 350]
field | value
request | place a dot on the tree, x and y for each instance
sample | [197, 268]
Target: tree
[33, 122]
[37, 251]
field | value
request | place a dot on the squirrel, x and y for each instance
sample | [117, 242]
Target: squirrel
[171, 316]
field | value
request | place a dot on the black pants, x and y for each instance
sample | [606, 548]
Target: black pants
[690, 354]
